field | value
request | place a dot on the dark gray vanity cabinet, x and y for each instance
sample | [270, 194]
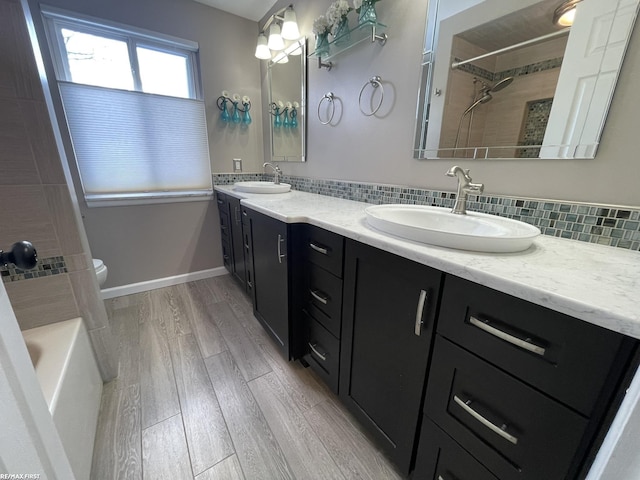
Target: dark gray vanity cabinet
[518, 388]
[273, 278]
[390, 306]
[233, 251]
[321, 305]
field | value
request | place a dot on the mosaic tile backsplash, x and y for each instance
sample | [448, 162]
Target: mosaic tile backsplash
[46, 267]
[601, 224]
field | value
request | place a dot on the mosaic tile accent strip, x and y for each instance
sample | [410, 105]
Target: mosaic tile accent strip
[513, 72]
[601, 224]
[46, 267]
[529, 69]
[231, 178]
[535, 126]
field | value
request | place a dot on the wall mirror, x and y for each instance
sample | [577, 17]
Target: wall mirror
[287, 76]
[502, 80]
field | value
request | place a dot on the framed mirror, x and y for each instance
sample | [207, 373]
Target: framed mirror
[287, 75]
[502, 80]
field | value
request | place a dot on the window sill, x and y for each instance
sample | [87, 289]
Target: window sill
[125, 200]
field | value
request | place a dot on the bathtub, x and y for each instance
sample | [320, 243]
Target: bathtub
[68, 374]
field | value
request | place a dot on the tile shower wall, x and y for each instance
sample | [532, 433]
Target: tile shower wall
[36, 203]
[601, 224]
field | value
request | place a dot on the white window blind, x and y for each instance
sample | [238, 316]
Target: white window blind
[135, 114]
[131, 142]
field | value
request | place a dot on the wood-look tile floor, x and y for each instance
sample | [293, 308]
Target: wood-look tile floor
[204, 394]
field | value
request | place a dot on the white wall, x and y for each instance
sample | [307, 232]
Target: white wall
[380, 149]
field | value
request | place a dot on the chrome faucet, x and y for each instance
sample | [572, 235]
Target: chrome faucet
[465, 187]
[276, 170]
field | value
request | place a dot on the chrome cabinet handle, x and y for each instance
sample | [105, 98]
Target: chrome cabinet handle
[280, 255]
[419, 312]
[244, 212]
[491, 426]
[318, 249]
[316, 294]
[440, 477]
[518, 342]
[220, 202]
[236, 215]
[322, 356]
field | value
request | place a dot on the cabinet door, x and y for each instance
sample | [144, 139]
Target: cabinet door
[237, 240]
[270, 275]
[389, 310]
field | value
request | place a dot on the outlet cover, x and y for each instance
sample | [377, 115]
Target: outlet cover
[237, 164]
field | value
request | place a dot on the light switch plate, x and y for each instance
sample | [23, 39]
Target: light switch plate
[237, 164]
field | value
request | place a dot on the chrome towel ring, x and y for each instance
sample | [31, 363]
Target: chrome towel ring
[330, 97]
[375, 82]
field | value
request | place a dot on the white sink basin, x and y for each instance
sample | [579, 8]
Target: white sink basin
[438, 226]
[261, 187]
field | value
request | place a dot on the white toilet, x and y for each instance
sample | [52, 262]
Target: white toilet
[101, 271]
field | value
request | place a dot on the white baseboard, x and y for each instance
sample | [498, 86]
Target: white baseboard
[161, 282]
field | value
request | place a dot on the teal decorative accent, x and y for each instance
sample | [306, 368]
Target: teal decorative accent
[224, 116]
[294, 118]
[235, 118]
[322, 44]
[342, 33]
[277, 121]
[285, 122]
[246, 118]
[367, 12]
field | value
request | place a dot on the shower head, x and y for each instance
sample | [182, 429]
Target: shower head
[483, 99]
[504, 83]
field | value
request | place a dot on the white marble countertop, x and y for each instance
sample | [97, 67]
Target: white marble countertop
[598, 284]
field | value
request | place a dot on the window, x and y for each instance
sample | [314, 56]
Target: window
[133, 104]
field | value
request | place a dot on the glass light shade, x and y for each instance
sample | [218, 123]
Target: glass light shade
[566, 19]
[262, 50]
[564, 15]
[290, 25]
[275, 39]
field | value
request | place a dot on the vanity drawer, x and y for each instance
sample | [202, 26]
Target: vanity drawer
[323, 352]
[512, 429]
[324, 248]
[324, 298]
[546, 349]
[440, 458]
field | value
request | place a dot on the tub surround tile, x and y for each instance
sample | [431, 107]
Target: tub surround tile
[90, 304]
[598, 285]
[81, 261]
[46, 267]
[55, 301]
[42, 141]
[16, 156]
[105, 349]
[63, 218]
[25, 216]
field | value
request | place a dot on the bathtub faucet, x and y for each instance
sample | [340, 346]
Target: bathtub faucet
[22, 254]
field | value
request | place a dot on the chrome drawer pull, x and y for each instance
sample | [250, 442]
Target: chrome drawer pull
[440, 477]
[322, 356]
[518, 342]
[419, 311]
[316, 294]
[318, 249]
[280, 255]
[491, 426]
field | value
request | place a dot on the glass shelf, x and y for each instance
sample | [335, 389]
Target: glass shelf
[371, 31]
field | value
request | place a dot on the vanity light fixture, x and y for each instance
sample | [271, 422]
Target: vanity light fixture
[280, 28]
[565, 13]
